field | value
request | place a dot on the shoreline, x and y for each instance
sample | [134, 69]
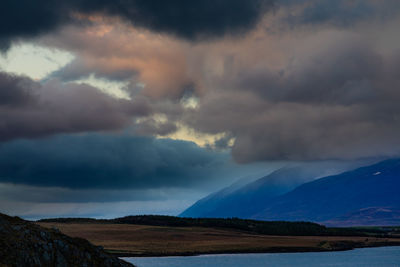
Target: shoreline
[271, 250]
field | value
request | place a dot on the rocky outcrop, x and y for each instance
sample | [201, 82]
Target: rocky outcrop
[26, 244]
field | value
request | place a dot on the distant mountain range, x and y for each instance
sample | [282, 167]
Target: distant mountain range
[365, 196]
[244, 200]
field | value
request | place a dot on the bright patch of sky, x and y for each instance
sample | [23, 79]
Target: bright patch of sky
[113, 88]
[186, 133]
[38, 62]
[190, 102]
[34, 61]
[201, 139]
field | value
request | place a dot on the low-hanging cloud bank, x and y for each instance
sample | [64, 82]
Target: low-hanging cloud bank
[95, 161]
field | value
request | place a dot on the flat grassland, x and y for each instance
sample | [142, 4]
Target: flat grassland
[147, 240]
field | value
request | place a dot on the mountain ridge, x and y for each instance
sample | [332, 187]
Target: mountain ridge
[334, 200]
[333, 196]
[223, 203]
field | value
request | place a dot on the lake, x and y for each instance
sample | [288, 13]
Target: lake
[365, 257]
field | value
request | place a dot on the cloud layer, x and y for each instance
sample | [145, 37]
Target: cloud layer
[313, 80]
[326, 93]
[340, 101]
[191, 20]
[109, 162]
[33, 109]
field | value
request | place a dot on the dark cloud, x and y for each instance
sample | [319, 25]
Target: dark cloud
[339, 102]
[341, 74]
[31, 109]
[312, 93]
[109, 162]
[190, 19]
[16, 91]
[187, 19]
[130, 191]
[341, 13]
[28, 18]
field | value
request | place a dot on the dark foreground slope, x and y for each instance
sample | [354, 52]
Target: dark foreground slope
[26, 244]
[358, 196]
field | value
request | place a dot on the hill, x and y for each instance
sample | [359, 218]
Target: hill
[23, 243]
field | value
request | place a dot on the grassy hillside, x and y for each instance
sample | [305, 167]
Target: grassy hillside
[250, 226]
[151, 240]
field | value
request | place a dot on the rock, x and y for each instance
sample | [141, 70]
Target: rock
[23, 243]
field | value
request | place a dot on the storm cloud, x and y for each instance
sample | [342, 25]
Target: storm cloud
[326, 88]
[31, 109]
[339, 13]
[341, 101]
[324, 92]
[109, 162]
[187, 19]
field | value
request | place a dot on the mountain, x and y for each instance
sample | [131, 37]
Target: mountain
[23, 243]
[244, 200]
[346, 196]
[374, 216]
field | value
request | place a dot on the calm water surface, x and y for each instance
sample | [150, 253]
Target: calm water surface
[365, 257]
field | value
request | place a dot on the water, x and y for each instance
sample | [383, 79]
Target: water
[365, 257]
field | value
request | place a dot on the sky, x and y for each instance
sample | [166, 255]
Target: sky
[111, 108]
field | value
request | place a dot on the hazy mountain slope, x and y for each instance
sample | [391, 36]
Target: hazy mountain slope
[331, 197]
[245, 201]
[208, 204]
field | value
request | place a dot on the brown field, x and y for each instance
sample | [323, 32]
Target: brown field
[142, 240]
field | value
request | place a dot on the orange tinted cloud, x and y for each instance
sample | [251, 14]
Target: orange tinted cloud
[157, 61]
